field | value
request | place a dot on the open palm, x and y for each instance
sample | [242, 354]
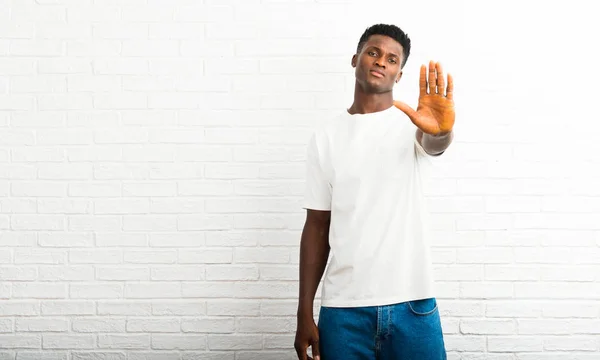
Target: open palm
[435, 111]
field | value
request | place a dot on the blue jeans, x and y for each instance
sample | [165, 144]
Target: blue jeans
[405, 331]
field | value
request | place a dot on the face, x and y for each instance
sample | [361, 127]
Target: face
[378, 64]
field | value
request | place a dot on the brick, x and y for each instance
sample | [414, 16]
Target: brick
[120, 31]
[234, 342]
[150, 257]
[68, 307]
[153, 289]
[38, 222]
[36, 47]
[179, 341]
[42, 355]
[214, 289]
[575, 309]
[205, 355]
[279, 341]
[149, 223]
[64, 66]
[34, 290]
[96, 290]
[556, 290]
[95, 256]
[20, 341]
[104, 239]
[513, 309]
[265, 325]
[489, 255]
[153, 355]
[458, 272]
[233, 307]
[464, 343]
[274, 290]
[514, 343]
[179, 308]
[488, 327]
[94, 223]
[98, 325]
[231, 272]
[573, 343]
[124, 308]
[267, 355]
[68, 341]
[18, 273]
[147, 325]
[209, 325]
[204, 222]
[65, 206]
[39, 256]
[462, 308]
[46, 324]
[69, 272]
[495, 272]
[261, 255]
[19, 307]
[179, 240]
[123, 341]
[174, 273]
[487, 290]
[98, 355]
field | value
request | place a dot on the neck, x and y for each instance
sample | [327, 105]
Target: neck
[369, 102]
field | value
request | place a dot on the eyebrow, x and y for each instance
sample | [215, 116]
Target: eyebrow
[373, 46]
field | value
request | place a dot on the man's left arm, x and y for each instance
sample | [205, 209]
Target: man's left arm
[435, 145]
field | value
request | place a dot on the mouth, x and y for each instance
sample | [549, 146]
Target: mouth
[377, 73]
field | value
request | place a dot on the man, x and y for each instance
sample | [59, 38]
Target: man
[365, 207]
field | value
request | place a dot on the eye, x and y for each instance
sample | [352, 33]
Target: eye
[393, 61]
[372, 53]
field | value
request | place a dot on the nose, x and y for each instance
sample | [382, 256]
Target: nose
[379, 62]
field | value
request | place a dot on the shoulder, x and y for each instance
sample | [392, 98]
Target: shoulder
[325, 130]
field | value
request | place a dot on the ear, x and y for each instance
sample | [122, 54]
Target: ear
[353, 61]
[398, 77]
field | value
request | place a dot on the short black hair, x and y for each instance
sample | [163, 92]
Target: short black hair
[392, 31]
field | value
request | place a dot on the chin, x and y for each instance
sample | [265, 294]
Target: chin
[377, 88]
[374, 86]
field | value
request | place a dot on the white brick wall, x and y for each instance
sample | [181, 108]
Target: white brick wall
[151, 173]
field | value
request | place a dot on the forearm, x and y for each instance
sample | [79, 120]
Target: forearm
[435, 144]
[314, 252]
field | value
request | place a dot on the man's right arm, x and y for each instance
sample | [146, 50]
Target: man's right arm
[314, 244]
[314, 252]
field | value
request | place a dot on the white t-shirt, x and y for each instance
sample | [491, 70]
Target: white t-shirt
[368, 170]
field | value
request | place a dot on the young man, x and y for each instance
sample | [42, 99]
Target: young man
[365, 207]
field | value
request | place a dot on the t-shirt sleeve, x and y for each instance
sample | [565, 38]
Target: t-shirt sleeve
[420, 150]
[317, 194]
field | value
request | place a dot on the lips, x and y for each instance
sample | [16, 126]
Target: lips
[377, 73]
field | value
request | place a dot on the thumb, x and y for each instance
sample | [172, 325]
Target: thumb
[412, 114]
[315, 350]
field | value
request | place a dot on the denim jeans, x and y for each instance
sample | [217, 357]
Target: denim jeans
[405, 331]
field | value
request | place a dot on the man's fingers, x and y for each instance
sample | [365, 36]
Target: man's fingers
[440, 79]
[423, 81]
[301, 352]
[432, 78]
[450, 89]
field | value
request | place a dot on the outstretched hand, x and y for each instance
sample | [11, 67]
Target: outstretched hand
[435, 112]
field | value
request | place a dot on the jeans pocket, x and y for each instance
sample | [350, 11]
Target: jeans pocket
[423, 307]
